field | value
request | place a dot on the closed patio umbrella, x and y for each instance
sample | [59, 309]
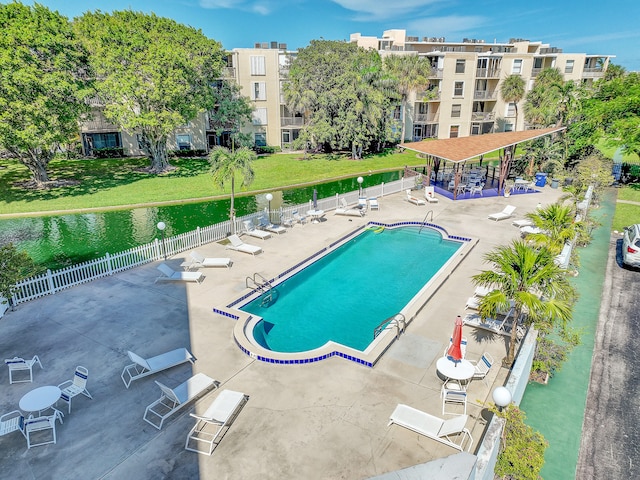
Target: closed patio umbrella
[315, 199]
[455, 352]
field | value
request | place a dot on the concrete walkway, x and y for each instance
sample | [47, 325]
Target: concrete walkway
[325, 420]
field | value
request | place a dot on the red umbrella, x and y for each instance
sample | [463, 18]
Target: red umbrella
[455, 353]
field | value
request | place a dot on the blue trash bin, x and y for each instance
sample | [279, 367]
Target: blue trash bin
[541, 179]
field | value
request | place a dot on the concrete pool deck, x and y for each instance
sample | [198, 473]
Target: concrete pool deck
[323, 420]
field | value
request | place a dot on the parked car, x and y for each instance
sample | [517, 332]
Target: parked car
[631, 246]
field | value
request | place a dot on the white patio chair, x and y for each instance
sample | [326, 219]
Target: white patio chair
[373, 204]
[344, 209]
[251, 230]
[169, 274]
[173, 399]
[430, 194]
[35, 427]
[506, 213]
[238, 245]
[211, 424]
[76, 386]
[298, 217]
[265, 224]
[17, 364]
[10, 422]
[415, 200]
[143, 367]
[198, 260]
[454, 398]
[482, 367]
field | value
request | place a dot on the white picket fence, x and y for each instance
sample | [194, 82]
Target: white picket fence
[51, 282]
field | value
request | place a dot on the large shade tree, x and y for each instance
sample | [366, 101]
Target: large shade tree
[526, 277]
[410, 73]
[42, 85]
[512, 91]
[153, 74]
[226, 166]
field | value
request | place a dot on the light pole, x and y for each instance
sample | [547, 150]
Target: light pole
[161, 226]
[269, 198]
[360, 180]
[501, 397]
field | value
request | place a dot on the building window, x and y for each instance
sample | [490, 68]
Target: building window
[453, 131]
[568, 67]
[458, 89]
[508, 127]
[455, 110]
[259, 116]
[460, 66]
[183, 142]
[104, 140]
[258, 65]
[260, 139]
[286, 137]
[258, 91]
[516, 68]
[511, 110]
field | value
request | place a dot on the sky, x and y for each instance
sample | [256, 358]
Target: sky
[575, 26]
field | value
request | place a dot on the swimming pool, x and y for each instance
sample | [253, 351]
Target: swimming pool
[333, 301]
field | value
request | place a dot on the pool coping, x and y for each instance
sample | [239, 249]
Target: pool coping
[246, 321]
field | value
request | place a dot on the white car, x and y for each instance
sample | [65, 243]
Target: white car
[631, 246]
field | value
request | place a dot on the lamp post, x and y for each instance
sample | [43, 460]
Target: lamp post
[501, 397]
[360, 180]
[161, 226]
[269, 198]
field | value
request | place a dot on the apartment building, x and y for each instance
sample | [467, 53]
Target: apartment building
[464, 96]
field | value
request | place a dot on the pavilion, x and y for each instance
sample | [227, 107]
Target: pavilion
[459, 151]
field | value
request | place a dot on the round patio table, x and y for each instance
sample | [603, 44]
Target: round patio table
[463, 370]
[40, 399]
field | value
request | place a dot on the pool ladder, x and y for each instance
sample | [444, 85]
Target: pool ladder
[425, 220]
[262, 285]
[397, 321]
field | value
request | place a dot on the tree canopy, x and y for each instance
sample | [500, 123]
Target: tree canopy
[231, 110]
[512, 91]
[152, 74]
[42, 85]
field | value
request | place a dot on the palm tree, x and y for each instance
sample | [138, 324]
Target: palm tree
[226, 165]
[410, 72]
[527, 276]
[557, 226]
[512, 91]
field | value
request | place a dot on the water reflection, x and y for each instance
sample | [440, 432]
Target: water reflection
[60, 240]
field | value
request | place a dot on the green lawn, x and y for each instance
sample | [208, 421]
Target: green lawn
[120, 182]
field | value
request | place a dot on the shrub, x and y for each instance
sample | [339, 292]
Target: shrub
[267, 149]
[191, 152]
[112, 152]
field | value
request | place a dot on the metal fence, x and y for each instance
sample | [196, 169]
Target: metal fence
[54, 281]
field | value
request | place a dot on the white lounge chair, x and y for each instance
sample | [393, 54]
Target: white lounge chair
[430, 194]
[415, 200]
[173, 399]
[198, 260]
[524, 222]
[506, 213]
[298, 217]
[76, 386]
[211, 424]
[433, 427]
[170, 274]
[142, 367]
[17, 364]
[265, 224]
[236, 244]
[344, 209]
[250, 229]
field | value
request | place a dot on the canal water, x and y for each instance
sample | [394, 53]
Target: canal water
[60, 240]
[557, 410]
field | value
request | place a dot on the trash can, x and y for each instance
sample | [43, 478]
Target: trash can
[541, 179]
[554, 183]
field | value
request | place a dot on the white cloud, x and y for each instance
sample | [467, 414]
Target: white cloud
[448, 25]
[220, 3]
[262, 8]
[378, 10]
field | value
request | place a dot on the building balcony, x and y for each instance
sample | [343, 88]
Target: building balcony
[436, 73]
[593, 73]
[483, 116]
[535, 72]
[488, 72]
[426, 118]
[291, 121]
[428, 96]
[485, 95]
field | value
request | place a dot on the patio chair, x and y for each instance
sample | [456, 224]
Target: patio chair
[198, 260]
[36, 427]
[169, 274]
[463, 346]
[430, 194]
[415, 200]
[298, 217]
[287, 221]
[525, 222]
[250, 229]
[373, 204]
[481, 291]
[265, 224]
[506, 213]
[455, 397]
[173, 399]
[362, 203]
[11, 422]
[142, 367]
[76, 386]
[482, 367]
[433, 427]
[211, 424]
[17, 364]
[344, 209]
[238, 245]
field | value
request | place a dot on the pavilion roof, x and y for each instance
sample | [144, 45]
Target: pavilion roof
[465, 148]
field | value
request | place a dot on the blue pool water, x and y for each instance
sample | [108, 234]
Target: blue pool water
[346, 294]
